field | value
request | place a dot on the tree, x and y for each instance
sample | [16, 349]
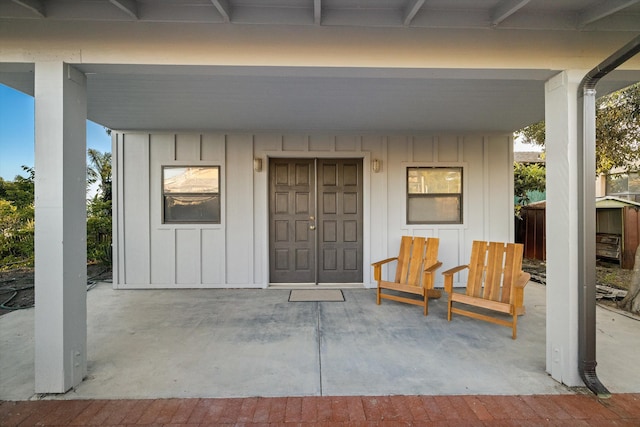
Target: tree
[617, 130]
[99, 221]
[632, 301]
[99, 170]
[17, 219]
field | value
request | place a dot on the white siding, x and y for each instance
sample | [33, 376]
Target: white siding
[239, 224]
[235, 252]
[135, 208]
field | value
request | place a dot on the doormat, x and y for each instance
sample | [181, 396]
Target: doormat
[309, 295]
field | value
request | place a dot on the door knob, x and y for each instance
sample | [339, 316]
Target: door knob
[312, 227]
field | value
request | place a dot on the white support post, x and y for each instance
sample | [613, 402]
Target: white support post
[60, 227]
[563, 177]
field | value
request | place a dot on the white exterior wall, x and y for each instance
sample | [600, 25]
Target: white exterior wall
[234, 253]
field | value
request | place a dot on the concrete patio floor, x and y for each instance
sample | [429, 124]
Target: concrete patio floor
[149, 344]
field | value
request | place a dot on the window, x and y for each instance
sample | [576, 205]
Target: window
[191, 194]
[624, 185]
[434, 195]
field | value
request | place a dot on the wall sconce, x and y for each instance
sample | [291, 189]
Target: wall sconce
[376, 165]
[257, 164]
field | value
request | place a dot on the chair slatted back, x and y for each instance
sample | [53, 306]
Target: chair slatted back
[410, 259]
[493, 269]
[430, 256]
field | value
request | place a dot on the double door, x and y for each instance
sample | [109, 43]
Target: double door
[315, 221]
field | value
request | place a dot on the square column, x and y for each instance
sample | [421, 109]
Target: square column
[60, 227]
[563, 176]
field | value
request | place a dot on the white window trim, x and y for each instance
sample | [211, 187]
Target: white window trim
[193, 225]
[465, 192]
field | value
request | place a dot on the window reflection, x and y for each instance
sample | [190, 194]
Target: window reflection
[191, 194]
[434, 195]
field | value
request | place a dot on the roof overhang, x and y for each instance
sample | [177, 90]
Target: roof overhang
[142, 97]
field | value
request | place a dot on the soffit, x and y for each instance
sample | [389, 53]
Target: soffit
[320, 99]
[312, 100]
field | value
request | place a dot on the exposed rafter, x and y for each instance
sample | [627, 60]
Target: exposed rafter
[35, 6]
[602, 9]
[411, 10]
[130, 7]
[317, 12]
[223, 8]
[505, 9]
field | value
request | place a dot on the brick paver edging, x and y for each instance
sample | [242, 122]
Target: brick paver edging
[536, 410]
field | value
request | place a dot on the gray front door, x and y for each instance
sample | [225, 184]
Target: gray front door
[315, 220]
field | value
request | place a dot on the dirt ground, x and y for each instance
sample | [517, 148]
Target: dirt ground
[607, 274]
[16, 286]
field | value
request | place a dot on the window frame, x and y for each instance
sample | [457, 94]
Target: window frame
[164, 194]
[627, 193]
[459, 196]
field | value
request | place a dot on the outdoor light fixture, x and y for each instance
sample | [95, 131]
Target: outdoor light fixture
[375, 165]
[257, 164]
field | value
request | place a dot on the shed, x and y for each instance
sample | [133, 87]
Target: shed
[617, 230]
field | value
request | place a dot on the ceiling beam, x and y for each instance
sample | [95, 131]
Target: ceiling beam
[35, 6]
[223, 8]
[505, 9]
[317, 12]
[130, 7]
[602, 10]
[411, 10]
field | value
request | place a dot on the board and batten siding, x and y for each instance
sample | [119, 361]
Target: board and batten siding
[234, 253]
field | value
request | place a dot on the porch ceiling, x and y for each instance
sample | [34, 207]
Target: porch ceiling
[296, 99]
[144, 97]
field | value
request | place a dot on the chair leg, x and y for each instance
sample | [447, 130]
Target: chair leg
[426, 303]
[449, 306]
[515, 326]
[379, 298]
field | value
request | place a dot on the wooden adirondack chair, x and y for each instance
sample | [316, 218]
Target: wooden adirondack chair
[417, 264]
[495, 282]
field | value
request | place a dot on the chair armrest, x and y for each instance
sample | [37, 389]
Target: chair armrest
[448, 277]
[433, 267]
[377, 268]
[454, 270]
[522, 281]
[384, 261]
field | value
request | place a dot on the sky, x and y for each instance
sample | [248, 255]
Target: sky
[17, 133]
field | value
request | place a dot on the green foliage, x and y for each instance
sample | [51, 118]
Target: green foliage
[533, 134]
[99, 231]
[17, 220]
[17, 215]
[617, 130]
[99, 208]
[527, 179]
[99, 171]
